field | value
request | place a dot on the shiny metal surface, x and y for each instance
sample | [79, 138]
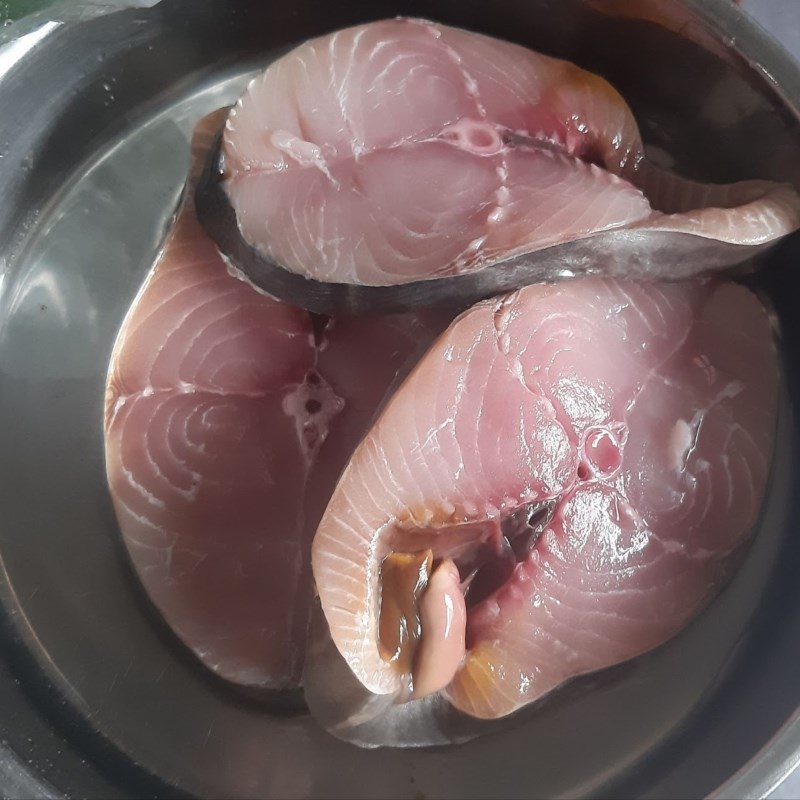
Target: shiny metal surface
[96, 696]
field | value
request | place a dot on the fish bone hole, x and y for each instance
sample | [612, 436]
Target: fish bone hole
[481, 138]
[313, 406]
[602, 452]
[583, 471]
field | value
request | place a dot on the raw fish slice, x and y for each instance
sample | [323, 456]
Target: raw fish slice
[633, 554]
[400, 151]
[384, 84]
[748, 213]
[474, 404]
[195, 326]
[311, 218]
[223, 445]
[367, 222]
[361, 359]
[206, 466]
[208, 493]
[644, 414]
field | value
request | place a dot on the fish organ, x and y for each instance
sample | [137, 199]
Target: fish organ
[402, 150]
[577, 465]
[224, 441]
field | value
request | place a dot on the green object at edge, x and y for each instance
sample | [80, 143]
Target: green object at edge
[14, 9]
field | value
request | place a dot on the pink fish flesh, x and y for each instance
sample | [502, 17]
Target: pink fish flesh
[229, 416]
[592, 455]
[401, 150]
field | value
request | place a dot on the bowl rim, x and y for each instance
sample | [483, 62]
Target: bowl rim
[780, 756]
[780, 71]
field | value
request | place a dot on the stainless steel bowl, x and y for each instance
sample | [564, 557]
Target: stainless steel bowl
[97, 698]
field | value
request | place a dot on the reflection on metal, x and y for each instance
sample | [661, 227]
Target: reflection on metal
[13, 51]
[88, 185]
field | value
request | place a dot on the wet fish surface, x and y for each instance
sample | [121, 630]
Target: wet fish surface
[224, 441]
[400, 152]
[590, 456]
[556, 482]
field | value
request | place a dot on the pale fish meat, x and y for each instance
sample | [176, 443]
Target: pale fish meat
[560, 485]
[224, 441]
[403, 151]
